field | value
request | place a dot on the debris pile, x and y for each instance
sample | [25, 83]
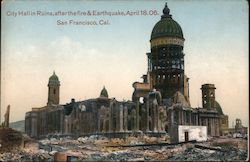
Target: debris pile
[197, 154]
[123, 156]
[14, 146]
[23, 155]
[143, 148]
[9, 139]
[217, 149]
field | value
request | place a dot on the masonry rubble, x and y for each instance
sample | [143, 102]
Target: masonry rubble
[99, 148]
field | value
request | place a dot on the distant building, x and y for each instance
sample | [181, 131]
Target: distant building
[160, 104]
[238, 131]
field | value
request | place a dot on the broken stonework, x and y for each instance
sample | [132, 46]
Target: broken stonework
[99, 148]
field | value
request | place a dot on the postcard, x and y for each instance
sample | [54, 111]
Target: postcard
[88, 80]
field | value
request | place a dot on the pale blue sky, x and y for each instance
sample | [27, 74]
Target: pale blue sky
[87, 57]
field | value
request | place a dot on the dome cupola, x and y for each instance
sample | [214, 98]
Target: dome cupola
[167, 27]
[54, 79]
[104, 92]
[218, 108]
[54, 90]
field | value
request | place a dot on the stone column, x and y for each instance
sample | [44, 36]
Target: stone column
[154, 116]
[209, 125]
[213, 126]
[33, 124]
[190, 118]
[147, 115]
[217, 127]
[137, 116]
[197, 119]
[62, 122]
[206, 123]
[157, 117]
[121, 118]
[133, 119]
[171, 117]
[7, 117]
[111, 118]
[125, 116]
[179, 117]
[104, 125]
[117, 111]
[99, 125]
[182, 117]
[66, 126]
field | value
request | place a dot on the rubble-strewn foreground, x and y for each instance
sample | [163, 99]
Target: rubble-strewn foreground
[95, 148]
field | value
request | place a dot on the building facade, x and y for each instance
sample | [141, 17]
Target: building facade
[160, 104]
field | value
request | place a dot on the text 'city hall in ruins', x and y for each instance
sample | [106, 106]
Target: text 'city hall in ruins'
[160, 104]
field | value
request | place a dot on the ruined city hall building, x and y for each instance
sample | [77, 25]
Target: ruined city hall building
[159, 104]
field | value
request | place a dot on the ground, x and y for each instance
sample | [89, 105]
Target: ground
[9, 139]
[143, 148]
